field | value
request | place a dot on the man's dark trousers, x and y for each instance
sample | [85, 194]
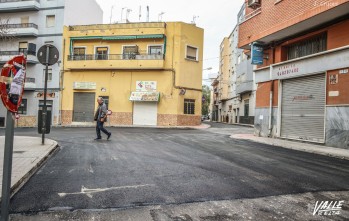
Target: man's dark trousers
[100, 128]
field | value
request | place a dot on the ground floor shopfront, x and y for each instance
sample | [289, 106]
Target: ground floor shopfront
[32, 102]
[135, 98]
[309, 99]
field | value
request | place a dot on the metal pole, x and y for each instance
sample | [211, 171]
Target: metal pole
[7, 168]
[44, 111]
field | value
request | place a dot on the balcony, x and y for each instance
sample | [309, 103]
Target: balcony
[244, 87]
[29, 84]
[255, 28]
[22, 30]
[115, 61]
[7, 55]
[19, 5]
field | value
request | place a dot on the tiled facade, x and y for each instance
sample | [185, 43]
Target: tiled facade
[26, 121]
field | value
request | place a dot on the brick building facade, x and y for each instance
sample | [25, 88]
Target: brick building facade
[302, 84]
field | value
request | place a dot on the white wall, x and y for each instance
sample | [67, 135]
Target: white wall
[82, 12]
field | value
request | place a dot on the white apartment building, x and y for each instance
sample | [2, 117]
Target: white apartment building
[31, 24]
[235, 87]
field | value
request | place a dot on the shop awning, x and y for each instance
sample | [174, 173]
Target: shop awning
[145, 96]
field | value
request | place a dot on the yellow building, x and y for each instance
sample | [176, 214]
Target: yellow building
[148, 73]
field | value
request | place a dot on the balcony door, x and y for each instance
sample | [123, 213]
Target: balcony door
[102, 53]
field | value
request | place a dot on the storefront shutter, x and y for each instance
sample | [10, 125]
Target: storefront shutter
[303, 108]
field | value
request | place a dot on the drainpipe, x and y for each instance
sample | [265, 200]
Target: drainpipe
[270, 126]
[271, 108]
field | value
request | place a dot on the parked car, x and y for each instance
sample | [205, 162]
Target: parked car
[205, 117]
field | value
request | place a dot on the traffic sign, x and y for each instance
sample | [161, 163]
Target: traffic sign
[48, 55]
[12, 82]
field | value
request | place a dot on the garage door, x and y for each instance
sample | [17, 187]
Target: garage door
[84, 105]
[303, 108]
[145, 113]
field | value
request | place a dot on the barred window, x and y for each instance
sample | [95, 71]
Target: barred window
[189, 106]
[307, 47]
[22, 109]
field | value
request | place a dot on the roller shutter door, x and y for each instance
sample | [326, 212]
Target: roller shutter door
[84, 107]
[145, 113]
[303, 108]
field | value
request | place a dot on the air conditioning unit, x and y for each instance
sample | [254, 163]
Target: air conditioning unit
[254, 3]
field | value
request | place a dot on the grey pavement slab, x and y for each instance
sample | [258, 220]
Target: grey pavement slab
[28, 155]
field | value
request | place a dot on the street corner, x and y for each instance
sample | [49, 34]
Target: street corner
[242, 136]
[202, 126]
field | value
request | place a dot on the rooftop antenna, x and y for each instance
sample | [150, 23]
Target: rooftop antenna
[147, 13]
[194, 19]
[140, 13]
[127, 14]
[122, 10]
[160, 16]
[111, 13]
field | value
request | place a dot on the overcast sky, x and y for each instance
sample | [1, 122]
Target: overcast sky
[217, 18]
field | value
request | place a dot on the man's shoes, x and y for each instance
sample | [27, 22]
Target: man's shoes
[98, 138]
[108, 136]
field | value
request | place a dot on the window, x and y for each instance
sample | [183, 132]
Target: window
[23, 47]
[25, 21]
[192, 53]
[49, 75]
[22, 109]
[189, 106]
[246, 107]
[79, 53]
[156, 49]
[307, 47]
[102, 53]
[50, 21]
[129, 52]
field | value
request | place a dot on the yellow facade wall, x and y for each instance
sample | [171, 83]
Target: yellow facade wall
[119, 77]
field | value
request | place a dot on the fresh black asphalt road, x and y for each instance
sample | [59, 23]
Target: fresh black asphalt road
[150, 166]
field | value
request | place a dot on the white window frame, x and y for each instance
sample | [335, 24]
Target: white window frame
[122, 51]
[123, 46]
[101, 46]
[162, 47]
[47, 25]
[85, 47]
[197, 52]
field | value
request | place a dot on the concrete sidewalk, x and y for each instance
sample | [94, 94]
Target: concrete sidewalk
[28, 156]
[306, 147]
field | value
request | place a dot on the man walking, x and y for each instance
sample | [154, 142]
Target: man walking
[100, 117]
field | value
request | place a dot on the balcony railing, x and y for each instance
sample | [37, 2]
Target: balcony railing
[14, 53]
[251, 15]
[19, 5]
[91, 57]
[23, 25]
[30, 80]
[29, 84]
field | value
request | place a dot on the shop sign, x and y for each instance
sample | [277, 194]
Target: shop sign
[84, 86]
[146, 86]
[287, 70]
[257, 54]
[144, 96]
